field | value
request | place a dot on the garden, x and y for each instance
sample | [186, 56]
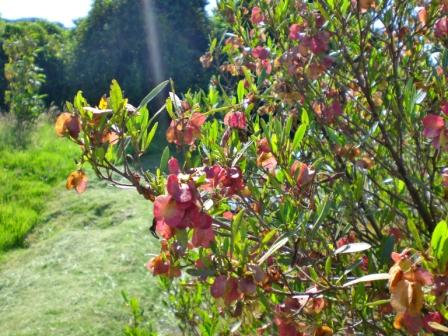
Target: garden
[274, 167]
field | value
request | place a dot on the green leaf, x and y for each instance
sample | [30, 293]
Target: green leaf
[116, 96]
[213, 96]
[150, 96]
[111, 154]
[182, 237]
[143, 118]
[313, 274]
[287, 129]
[323, 210]
[377, 303]
[240, 154]
[164, 159]
[386, 248]
[415, 234]
[241, 91]
[439, 243]
[262, 77]
[328, 266]
[169, 108]
[149, 137]
[267, 238]
[305, 118]
[213, 45]
[298, 136]
[236, 223]
[439, 236]
[247, 75]
[80, 103]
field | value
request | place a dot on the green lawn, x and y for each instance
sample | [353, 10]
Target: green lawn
[68, 282]
[67, 275]
[27, 177]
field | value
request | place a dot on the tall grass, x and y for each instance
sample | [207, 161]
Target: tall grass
[27, 176]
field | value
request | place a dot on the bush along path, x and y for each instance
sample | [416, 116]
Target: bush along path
[308, 195]
[69, 281]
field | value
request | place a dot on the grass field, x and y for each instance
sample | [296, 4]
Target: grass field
[83, 252]
[27, 177]
[68, 282]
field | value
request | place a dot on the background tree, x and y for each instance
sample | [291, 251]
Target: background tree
[24, 78]
[113, 42]
[53, 52]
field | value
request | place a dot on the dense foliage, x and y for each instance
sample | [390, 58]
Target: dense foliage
[49, 47]
[24, 80]
[140, 43]
[134, 41]
[310, 172]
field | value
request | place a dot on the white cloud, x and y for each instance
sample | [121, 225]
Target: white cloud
[63, 11]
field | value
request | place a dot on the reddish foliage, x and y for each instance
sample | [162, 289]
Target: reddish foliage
[185, 131]
[68, 124]
[77, 180]
[257, 16]
[260, 52]
[434, 129]
[235, 120]
[441, 27]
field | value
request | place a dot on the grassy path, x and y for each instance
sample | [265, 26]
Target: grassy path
[69, 280]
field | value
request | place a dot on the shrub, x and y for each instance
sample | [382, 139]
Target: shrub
[24, 80]
[315, 155]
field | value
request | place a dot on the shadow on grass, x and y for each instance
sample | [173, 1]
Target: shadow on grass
[83, 250]
[69, 281]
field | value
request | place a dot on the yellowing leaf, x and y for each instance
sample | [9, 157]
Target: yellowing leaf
[364, 5]
[103, 103]
[438, 326]
[61, 123]
[67, 124]
[77, 180]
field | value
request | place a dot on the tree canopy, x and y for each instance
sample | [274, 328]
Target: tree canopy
[132, 41]
[114, 42]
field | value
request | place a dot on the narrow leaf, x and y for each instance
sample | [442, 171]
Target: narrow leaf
[367, 278]
[241, 91]
[267, 238]
[439, 236]
[353, 248]
[116, 96]
[164, 159]
[150, 96]
[150, 136]
[438, 326]
[298, 137]
[279, 244]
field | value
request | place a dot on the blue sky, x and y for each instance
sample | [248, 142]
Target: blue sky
[63, 11]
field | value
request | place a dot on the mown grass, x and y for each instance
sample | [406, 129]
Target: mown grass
[82, 251]
[27, 177]
[69, 280]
